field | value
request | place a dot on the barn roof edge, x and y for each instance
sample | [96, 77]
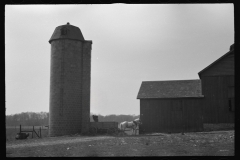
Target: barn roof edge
[220, 58]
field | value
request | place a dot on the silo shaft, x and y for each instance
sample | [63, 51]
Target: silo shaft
[69, 82]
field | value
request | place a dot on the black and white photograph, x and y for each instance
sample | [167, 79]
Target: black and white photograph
[119, 80]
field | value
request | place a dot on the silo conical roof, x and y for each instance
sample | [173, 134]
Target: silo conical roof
[67, 32]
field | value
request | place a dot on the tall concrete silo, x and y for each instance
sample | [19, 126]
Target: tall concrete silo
[70, 78]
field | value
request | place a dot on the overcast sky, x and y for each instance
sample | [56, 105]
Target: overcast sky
[131, 44]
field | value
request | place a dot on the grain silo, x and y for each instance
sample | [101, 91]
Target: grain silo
[70, 77]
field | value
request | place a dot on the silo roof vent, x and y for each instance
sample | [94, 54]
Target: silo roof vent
[232, 47]
[67, 31]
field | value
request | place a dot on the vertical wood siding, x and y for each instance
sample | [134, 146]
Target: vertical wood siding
[192, 114]
[216, 92]
[171, 115]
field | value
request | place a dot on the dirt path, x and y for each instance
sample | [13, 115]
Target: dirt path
[52, 141]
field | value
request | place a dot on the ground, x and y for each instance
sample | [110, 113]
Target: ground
[218, 143]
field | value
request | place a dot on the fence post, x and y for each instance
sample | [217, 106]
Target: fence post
[40, 133]
[32, 131]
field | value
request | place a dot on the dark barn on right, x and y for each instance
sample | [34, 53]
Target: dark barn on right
[187, 105]
[218, 90]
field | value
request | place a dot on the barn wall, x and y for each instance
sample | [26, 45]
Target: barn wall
[171, 115]
[217, 90]
[223, 67]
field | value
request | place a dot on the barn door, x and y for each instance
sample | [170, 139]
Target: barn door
[192, 115]
[176, 121]
[146, 119]
[142, 120]
[182, 116]
[144, 106]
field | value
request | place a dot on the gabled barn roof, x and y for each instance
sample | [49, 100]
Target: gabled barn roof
[231, 51]
[170, 89]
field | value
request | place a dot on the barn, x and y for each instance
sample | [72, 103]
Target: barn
[218, 89]
[170, 106]
[185, 105]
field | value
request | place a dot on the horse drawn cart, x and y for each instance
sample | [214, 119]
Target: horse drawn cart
[103, 127]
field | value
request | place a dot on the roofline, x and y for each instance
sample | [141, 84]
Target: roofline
[174, 80]
[84, 41]
[226, 54]
[75, 35]
[202, 96]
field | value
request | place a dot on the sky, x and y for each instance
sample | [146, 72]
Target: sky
[131, 44]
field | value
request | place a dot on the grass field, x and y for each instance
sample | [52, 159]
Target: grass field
[219, 143]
